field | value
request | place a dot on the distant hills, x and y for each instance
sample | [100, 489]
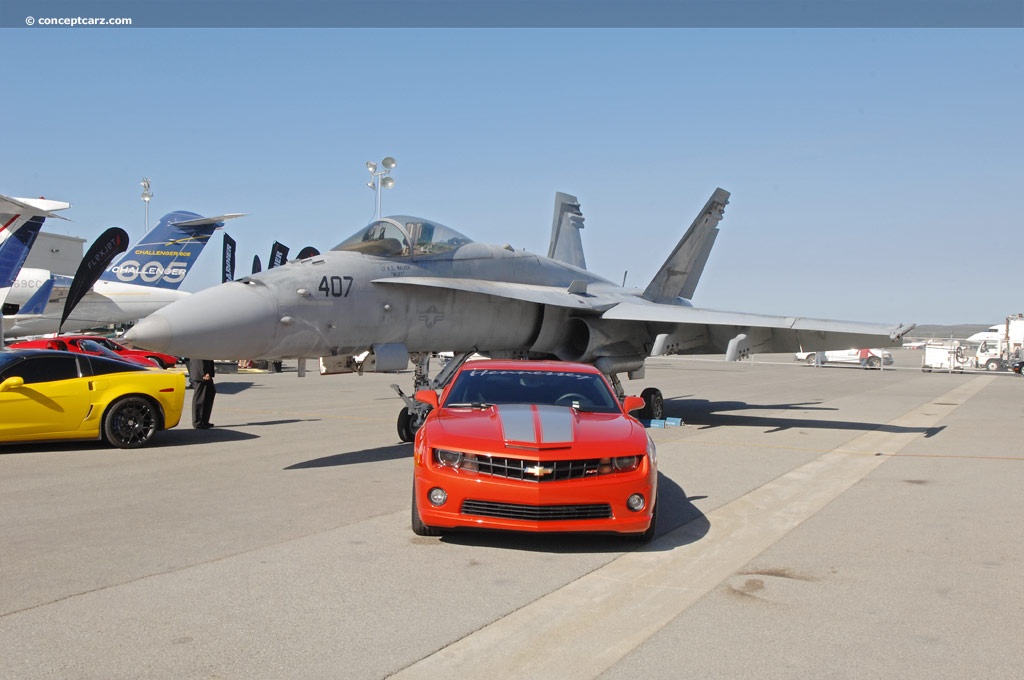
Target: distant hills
[962, 330]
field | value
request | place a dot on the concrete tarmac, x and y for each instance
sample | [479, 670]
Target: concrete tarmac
[814, 522]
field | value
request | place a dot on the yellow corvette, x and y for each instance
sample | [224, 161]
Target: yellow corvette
[47, 395]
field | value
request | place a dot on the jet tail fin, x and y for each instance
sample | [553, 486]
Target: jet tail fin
[14, 249]
[679, 275]
[566, 244]
[165, 255]
[37, 303]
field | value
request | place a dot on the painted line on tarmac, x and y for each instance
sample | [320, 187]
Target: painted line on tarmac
[583, 628]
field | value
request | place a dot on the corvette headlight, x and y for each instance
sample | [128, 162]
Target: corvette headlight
[452, 459]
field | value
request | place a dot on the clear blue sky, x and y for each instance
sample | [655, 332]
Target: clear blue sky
[877, 175]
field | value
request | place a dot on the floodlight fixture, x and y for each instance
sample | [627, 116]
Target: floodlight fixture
[379, 179]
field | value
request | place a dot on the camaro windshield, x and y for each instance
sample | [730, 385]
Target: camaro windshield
[484, 387]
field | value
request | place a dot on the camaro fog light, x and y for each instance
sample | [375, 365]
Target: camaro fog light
[437, 497]
[626, 463]
[636, 502]
[449, 458]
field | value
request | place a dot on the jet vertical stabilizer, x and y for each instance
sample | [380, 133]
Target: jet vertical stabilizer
[166, 254]
[566, 244]
[679, 275]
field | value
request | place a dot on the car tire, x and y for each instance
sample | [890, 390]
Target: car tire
[405, 432]
[654, 404]
[811, 359]
[874, 362]
[418, 527]
[992, 365]
[646, 536]
[130, 422]
[158, 362]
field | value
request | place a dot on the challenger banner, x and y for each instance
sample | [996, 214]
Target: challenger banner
[101, 253]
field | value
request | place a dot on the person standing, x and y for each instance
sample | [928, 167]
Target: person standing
[200, 373]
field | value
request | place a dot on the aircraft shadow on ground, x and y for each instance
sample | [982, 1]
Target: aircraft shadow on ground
[707, 414]
[674, 511]
[228, 387]
[377, 455]
[183, 435]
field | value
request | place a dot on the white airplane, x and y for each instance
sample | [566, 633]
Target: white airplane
[20, 222]
[145, 279]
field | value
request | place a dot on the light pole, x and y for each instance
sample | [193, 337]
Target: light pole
[146, 196]
[380, 180]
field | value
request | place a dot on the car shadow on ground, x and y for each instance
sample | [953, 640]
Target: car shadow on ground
[706, 414]
[674, 511]
[178, 436]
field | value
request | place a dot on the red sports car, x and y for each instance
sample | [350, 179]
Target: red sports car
[73, 343]
[533, 446]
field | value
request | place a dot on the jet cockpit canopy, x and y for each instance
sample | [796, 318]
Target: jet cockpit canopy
[391, 236]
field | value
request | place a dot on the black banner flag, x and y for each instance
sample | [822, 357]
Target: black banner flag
[101, 253]
[227, 271]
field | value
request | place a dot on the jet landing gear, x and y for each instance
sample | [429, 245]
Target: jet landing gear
[412, 415]
[654, 403]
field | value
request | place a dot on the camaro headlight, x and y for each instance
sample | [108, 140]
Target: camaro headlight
[452, 459]
[626, 463]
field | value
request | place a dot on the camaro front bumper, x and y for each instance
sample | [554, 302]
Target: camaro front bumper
[473, 500]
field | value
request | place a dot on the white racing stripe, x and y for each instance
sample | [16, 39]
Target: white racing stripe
[599, 618]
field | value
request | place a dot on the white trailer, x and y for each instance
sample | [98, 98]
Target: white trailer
[945, 355]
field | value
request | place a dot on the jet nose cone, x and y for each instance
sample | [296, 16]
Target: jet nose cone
[230, 321]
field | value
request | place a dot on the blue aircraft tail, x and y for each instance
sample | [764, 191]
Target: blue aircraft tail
[166, 254]
[37, 303]
[14, 249]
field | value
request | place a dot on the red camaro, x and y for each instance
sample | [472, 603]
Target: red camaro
[533, 446]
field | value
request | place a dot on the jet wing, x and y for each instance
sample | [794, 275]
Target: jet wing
[574, 297]
[687, 329]
[697, 329]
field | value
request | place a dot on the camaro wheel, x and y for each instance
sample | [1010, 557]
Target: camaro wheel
[130, 422]
[418, 527]
[646, 536]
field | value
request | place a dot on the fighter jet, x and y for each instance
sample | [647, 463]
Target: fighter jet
[405, 287]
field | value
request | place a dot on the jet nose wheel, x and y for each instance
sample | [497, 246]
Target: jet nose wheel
[409, 422]
[654, 404]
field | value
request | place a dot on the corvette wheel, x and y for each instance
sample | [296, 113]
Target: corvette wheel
[130, 422]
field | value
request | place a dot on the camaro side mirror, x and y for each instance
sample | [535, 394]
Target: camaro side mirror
[12, 383]
[630, 404]
[427, 397]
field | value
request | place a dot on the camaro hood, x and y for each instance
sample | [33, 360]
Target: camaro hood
[534, 427]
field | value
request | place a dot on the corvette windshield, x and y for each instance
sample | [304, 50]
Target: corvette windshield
[391, 236]
[484, 387]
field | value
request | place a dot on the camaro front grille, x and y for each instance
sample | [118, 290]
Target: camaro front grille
[536, 513]
[534, 471]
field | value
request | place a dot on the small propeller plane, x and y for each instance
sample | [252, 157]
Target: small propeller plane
[405, 287]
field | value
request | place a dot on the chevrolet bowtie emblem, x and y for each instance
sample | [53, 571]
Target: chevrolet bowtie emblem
[538, 470]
